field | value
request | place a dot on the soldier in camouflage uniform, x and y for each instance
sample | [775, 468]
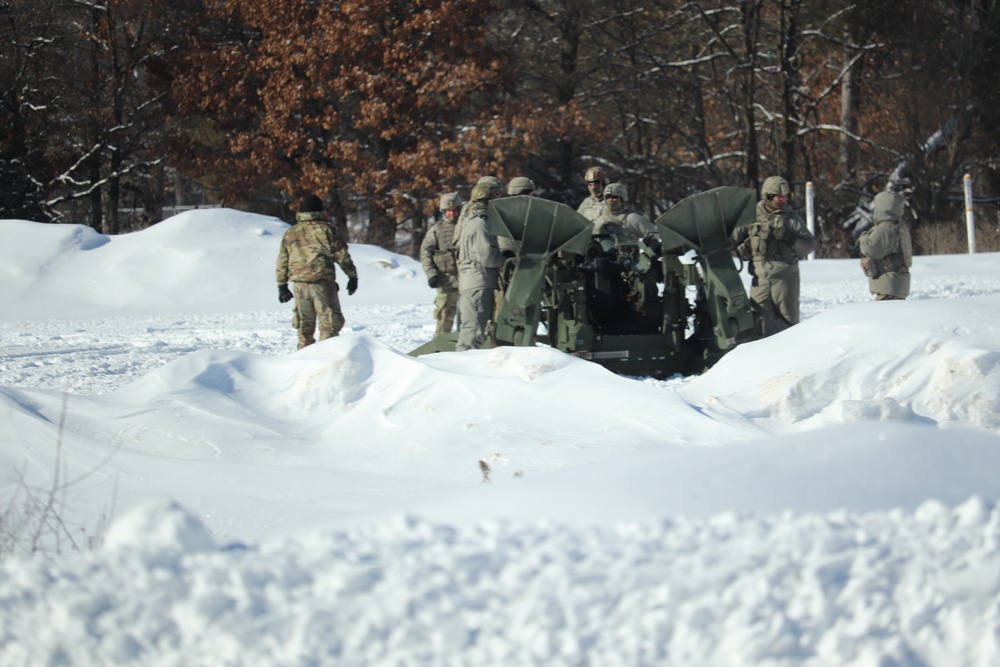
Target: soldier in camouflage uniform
[773, 244]
[592, 207]
[886, 249]
[439, 259]
[620, 220]
[310, 251]
[479, 261]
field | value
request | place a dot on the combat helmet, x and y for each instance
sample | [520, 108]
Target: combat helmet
[774, 185]
[520, 185]
[491, 180]
[616, 190]
[595, 174]
[483, 192]
[450, 200]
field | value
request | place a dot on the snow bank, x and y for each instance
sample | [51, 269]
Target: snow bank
[796, 589]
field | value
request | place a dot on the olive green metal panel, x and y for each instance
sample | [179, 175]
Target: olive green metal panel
[540, 226]
[540, 229]
[705, 221]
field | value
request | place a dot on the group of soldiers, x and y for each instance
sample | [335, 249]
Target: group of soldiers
[462, 259]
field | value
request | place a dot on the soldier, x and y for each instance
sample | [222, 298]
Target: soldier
[592, 207]
[310, 249]
[617, 218]
[886, 249]
[520, 185]
[774, 243]
[494, 183]
[439, 259]
[479, 261]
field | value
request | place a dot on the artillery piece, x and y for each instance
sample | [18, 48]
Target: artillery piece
[647, 307]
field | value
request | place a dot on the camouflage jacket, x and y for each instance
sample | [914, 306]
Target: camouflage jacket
[310, 251]
[774, 242]
[479, 256]
[438, 254]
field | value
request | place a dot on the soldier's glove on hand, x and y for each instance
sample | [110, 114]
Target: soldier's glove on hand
[508, 254]
[284, 294]
[352, 285]
[433, 282]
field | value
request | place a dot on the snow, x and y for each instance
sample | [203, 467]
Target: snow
[827, 496]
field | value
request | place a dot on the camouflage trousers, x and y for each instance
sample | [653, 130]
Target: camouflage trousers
[475, 310]
[445, 308]
[775, 302]
[317, 303]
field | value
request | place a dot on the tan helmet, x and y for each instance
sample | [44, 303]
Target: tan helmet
[450, 200]
[483, 192]
[616, 190]
[774, 185]
[520, 185]
[491, 180]
[595, 174]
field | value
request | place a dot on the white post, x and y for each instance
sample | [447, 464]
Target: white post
[970, 215]
[811, 213]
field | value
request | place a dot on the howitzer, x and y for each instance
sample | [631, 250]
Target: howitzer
[643, 307]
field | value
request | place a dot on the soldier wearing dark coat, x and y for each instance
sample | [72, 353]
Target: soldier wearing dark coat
[773, 244]
[309, 253]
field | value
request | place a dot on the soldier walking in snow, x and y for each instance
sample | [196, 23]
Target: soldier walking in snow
[310, 251]
[439, 259]
[773, 244]
[886, 249]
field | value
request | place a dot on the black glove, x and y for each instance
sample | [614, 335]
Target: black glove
[284, 294]
[433, 282]
[508, 254]
[352, 285]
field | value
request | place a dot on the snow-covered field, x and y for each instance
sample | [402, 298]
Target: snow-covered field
[825, 497]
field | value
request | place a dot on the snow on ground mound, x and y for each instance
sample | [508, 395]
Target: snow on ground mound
[934, 362]
[159, 526]
[209, 261]
[797, 589]
[863, 467]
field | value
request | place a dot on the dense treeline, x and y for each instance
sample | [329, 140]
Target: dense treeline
[113, 108]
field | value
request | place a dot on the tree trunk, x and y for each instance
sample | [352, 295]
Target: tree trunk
[381, 228]
[847, 152]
